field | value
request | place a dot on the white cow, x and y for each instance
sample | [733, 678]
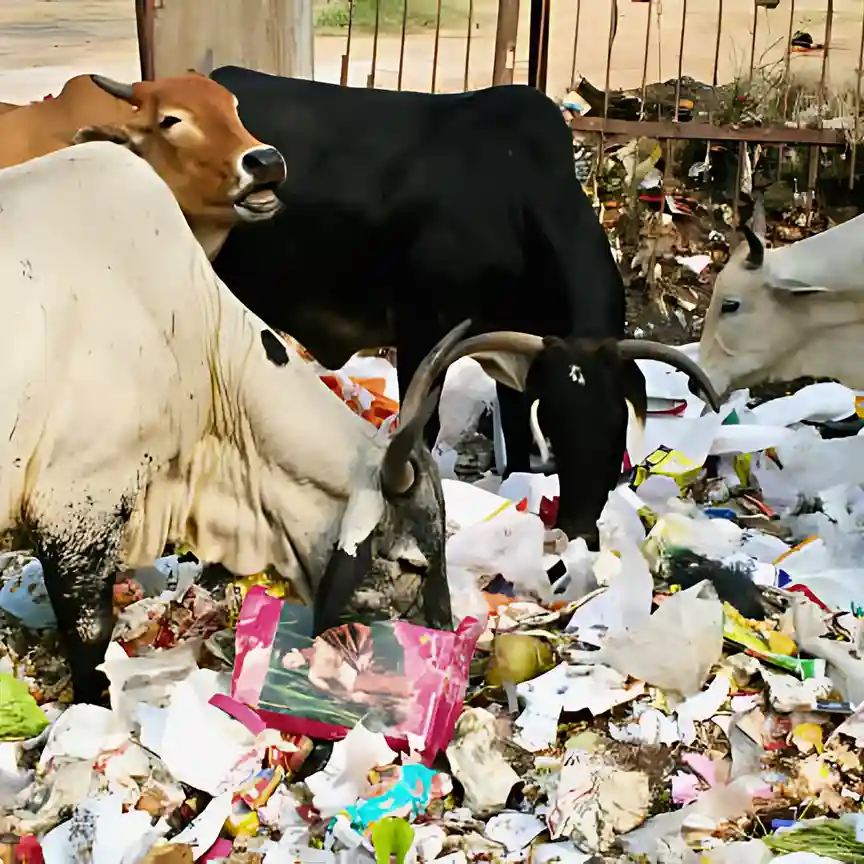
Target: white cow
[779, 314]
[140, 403]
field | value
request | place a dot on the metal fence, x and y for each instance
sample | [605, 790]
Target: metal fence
[783, 131]
[475, 58]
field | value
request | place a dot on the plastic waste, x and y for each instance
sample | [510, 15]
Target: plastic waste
[20, 716]
[511, 545]
[23, 593]
[676, 647]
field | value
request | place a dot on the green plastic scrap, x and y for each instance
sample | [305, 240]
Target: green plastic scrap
[391, 837]
[20, 716]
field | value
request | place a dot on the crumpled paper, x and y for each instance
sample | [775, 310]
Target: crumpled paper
[595, 801]
[477, 762]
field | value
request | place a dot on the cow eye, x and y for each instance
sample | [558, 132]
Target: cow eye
[168, 121]
[730, 306]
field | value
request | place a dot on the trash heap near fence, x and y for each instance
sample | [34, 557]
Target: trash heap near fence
[692, 692]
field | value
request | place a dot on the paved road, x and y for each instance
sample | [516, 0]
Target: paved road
[44, 42]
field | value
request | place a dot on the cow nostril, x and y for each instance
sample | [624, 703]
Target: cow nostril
[265, 164]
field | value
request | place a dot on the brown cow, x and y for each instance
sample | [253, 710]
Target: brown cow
[186, 127]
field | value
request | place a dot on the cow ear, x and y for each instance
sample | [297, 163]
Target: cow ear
[115, 134]
[507, 367]
[796, 287]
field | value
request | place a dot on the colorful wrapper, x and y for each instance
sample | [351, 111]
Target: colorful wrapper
[404, 791]
[737, 632]
[402, 678]
[666, 462]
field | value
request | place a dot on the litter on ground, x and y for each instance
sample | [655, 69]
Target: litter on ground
[692, 692]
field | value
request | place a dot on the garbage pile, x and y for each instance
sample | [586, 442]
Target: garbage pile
[692, 692]
[669, 206]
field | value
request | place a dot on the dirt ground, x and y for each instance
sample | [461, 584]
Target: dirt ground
[44, 42]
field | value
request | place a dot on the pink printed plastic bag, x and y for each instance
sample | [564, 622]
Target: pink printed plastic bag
[400, 679]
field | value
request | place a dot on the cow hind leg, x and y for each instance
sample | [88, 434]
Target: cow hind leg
[80, 565]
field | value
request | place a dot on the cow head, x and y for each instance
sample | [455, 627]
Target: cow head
[399, 569]
[388, 557]
[582, 388]
[188, 129]
[757, 324]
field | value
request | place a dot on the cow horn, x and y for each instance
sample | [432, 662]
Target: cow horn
[415, 408]
[501, 340]
[642, 349]
[397, 472]
[756, 255]
[115, 88]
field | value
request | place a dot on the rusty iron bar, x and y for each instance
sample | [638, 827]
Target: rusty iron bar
[145, 24]
[717, 44]
[468, 43]
[613, 29]
[542, 41]
[714, 84]
[645, 59]
[370, 81]
[813, 167]
[857, 131]
[680, 57]
[506, 31]
[402, 45]
[346, 57]
[437, 44]
[753, 43]
[829, 25]
[613, 19]
[787, 78]
[709, 132]
[742, 145]
[576, 42]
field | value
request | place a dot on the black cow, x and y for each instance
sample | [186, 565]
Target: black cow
[406, 213]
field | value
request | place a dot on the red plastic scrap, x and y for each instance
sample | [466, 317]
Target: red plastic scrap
[28, 851]
[803, 589]
[549, 511]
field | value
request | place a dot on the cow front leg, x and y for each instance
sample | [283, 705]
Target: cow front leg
[80, 585]
[516, 428]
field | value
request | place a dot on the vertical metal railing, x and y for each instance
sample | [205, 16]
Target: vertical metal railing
[652, 41]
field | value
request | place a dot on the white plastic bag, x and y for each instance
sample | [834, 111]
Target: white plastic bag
[509, 544]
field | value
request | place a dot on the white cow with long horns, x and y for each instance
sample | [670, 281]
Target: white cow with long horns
[141, 402]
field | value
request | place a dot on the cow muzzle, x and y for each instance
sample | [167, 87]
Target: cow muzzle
[261, 170]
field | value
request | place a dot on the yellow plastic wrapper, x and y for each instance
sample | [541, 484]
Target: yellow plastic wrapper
[237, 592]
[781, 643]
[742, 465]
[740, 631]
[807, 737]
[666, 462]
